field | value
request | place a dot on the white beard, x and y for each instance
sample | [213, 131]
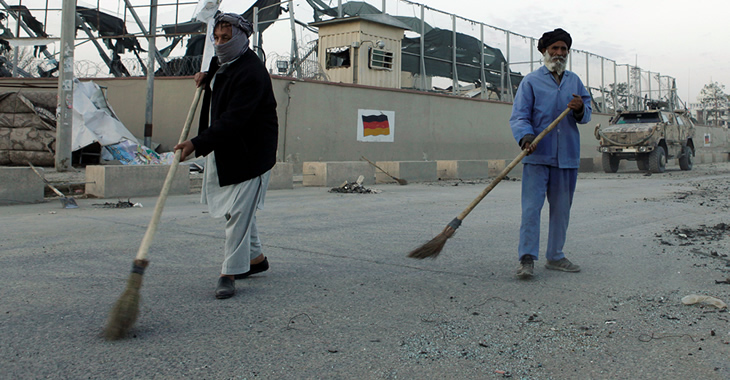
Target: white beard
[555, 64]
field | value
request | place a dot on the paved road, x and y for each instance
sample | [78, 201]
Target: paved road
[342, 300]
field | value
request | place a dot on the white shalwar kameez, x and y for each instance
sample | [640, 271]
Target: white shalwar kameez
[238, 204]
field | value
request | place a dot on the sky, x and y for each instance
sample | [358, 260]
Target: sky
[687, 40]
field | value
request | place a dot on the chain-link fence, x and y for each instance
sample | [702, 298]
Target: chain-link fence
[440, 52]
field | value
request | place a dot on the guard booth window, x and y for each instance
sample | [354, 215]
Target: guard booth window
[380, 59]
[338, 57]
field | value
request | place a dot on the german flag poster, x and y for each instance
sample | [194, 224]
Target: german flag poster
[375, 125]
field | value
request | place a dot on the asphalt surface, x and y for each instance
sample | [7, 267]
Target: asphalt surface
[342, 300]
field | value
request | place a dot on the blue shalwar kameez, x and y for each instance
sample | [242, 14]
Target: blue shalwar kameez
[552, 169]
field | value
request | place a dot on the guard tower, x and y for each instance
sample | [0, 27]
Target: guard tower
[365, 49]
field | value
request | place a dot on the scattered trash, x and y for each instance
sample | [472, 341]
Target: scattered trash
[131, 153]
[707, 300]
[195, 167]
[354, 187]
[120, 204]
[714, 233]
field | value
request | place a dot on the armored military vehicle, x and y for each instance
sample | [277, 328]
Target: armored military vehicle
[649, 137]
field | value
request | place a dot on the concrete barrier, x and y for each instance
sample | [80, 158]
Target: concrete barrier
[462, 169]
[494, 167]
[332, 174]
[413, 171]
[20, 185]
[282, 176]
[703, 158]
[597, 164]
[474, 169]
[587, 165]
[719, 157]
[126, 181]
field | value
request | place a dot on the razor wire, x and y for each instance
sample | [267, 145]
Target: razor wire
[612, 85]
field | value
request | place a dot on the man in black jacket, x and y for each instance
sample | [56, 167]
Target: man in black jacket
[238, 134]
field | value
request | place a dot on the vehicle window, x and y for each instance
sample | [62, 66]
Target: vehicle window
[680, 121]
[666, 118]
[634, 118]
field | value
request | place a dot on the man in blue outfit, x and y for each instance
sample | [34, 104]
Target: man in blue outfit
[551, 166]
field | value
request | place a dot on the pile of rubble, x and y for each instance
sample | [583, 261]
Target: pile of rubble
[354, 187]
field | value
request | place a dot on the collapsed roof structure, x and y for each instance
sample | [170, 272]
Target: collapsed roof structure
[118, 39]
[437, 42]
[112, 31]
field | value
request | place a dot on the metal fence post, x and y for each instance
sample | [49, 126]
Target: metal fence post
[532, 54]
[481, 62]
[294, 49]
[454, 74]
[150, 74]
[423, 52]
[588, 75]
[255, 34]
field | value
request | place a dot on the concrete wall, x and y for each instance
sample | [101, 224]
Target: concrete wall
[718, 139]
[318, 120]
[319, 124]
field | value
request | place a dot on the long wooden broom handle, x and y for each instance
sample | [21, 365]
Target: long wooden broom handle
[144, 247]
[378, 167]
[509, 167]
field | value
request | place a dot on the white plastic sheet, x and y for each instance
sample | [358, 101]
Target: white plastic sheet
[94, 120]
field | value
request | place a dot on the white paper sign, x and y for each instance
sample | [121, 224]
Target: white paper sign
[375, 126]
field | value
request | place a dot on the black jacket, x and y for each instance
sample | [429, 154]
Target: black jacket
[243, 129]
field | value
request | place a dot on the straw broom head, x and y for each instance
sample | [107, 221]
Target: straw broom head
[125, 311]
[433, 247]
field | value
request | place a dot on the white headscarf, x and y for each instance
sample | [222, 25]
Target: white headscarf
[240, 30]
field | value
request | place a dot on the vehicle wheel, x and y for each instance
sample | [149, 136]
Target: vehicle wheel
[609, 163]
[685, 162]
[657, 160]
[642, 163]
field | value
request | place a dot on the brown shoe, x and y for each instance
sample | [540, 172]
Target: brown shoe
[226, 288]
[563, 265]
[524, 271]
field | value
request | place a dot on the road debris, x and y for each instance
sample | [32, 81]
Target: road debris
[120, 204]
[707, 300]
[354, 187]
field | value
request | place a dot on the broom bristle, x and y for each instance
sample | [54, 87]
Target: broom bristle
[432, 248]
[125, 311]
[402, 182]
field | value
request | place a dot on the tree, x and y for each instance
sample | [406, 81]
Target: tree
[618, 92]
[25, 60]
[714, 103]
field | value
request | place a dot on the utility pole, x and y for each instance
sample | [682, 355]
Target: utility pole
[151, 51]
[64, 126]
